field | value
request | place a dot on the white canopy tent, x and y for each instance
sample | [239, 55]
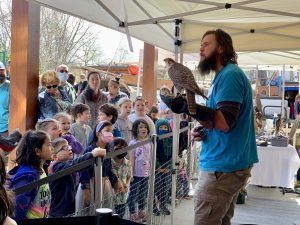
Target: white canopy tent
[260, 58]
[255, 25]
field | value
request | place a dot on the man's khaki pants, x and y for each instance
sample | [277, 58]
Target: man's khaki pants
[216, 194]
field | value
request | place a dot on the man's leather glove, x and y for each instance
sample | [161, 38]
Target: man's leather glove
[179, 105]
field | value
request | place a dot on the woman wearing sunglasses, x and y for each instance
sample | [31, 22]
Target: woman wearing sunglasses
[53, 99]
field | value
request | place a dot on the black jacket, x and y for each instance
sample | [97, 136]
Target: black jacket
[63, 190]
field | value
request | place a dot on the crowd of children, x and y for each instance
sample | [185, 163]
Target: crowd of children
[66, 139]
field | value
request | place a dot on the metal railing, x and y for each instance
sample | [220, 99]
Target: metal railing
[98, 197]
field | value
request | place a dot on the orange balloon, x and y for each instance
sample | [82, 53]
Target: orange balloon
[133, 69]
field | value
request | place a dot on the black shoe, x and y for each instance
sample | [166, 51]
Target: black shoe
[156, 212]
[165, 211]
[169, 201]
[14, 136]
[11, 141]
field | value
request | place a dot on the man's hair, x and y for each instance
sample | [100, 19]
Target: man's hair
[62, 65]
[109, 110]
[78, 108]
[224, 40]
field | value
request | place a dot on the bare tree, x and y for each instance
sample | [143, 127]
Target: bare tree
[66, 39]
[122, 54]
[63, 38]
[5, 24]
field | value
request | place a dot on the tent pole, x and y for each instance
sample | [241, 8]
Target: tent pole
[298, 79]
[176, 126]
[139, 73]
[282, 93]
[170, 17]
[257, 81]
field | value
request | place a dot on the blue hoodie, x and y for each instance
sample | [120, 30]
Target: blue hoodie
[20, 176]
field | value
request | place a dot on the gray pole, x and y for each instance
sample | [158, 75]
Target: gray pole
[152, 178]
[98, 184]
[189, 151]
[283, 94]
[176, 126]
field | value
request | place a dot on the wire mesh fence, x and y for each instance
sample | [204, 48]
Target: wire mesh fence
[135, 202]
[136, 206]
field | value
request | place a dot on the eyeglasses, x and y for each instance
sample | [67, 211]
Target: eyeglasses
[64, 71]
[65, 148]
[52, 86]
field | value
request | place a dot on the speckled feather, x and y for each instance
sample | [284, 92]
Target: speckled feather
[183, 78]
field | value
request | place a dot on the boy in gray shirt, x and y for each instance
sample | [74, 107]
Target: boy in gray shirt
[80, 129]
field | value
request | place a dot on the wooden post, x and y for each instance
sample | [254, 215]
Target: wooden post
[149, 74]
[24, 79]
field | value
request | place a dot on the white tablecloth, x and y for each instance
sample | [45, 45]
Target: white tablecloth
[277, 166]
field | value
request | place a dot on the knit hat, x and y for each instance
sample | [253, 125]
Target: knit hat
[161, 122]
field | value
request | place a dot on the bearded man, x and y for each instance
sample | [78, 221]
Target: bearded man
[227, 131]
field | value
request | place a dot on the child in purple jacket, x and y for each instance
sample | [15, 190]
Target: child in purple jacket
[64, 120]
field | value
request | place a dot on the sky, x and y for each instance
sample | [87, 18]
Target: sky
[110, 41]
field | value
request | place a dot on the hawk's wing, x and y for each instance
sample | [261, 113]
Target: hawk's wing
[182, 76]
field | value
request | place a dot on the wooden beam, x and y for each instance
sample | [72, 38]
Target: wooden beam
[149, 73]
[25, 38]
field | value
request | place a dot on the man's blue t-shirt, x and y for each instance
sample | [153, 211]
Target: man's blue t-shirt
[236, 149]
[4, 105]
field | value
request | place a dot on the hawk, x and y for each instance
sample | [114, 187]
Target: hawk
[183, 78]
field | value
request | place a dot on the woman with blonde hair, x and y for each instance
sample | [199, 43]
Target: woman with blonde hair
[54, 98]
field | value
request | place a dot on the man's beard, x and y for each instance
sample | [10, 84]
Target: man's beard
[208, 64]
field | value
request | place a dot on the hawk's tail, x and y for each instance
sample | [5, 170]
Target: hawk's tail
[191, 102]
[200, 92]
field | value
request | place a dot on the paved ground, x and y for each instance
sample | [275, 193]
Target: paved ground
[264, 206]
